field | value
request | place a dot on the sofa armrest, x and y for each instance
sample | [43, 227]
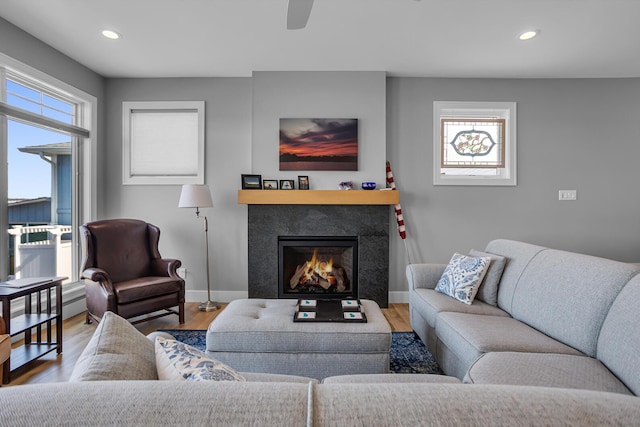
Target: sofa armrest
[424, 276]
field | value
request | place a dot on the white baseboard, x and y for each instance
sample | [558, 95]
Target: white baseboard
[219, 296]
[399, 297]
[73, 308]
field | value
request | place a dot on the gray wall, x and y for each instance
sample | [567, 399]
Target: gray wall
[572, 134]
[27, 49]
[327, 95]
[228, 154]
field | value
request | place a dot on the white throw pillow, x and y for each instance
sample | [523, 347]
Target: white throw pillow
[462, 277]
[176, 361]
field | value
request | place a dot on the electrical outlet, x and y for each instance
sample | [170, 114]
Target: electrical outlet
[567, 195]
[182, 272]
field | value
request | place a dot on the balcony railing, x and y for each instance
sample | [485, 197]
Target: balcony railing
[49, 257]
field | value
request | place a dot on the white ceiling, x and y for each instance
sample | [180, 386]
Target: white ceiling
[435, 38]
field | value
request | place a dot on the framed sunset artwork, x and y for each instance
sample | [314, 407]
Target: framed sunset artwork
[319, 144]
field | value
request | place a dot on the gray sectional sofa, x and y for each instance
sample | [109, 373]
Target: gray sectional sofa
[557, 319]
[115, 382]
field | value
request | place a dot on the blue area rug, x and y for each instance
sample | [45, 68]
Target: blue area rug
[408, 354]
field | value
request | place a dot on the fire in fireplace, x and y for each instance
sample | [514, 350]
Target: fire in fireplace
[318, 267]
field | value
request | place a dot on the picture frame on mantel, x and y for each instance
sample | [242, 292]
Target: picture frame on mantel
[303, 182]
[287, 184]
[270, 184]
[251, 182]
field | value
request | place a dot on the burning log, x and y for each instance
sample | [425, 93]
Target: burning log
[324, 284]
[295, 279]
[320, 273]
[340, 279]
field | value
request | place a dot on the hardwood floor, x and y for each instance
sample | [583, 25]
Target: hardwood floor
[76, 335]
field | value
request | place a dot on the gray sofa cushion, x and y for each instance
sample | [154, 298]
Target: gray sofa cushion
[567, 295]
[390, 378]
[116, 351]
[519, 254]
[424, 275]
[260, 377]
[430, 302]
[156, 403]
[619, 341]
[544, 369]
[470, 335]
[465, 405]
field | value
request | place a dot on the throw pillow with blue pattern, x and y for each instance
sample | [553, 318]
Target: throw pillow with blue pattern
[462, 277]
[176, 361]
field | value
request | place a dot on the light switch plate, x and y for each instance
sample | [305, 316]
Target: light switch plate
[567, 195]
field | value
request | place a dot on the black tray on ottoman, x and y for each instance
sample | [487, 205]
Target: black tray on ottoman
[325, 310]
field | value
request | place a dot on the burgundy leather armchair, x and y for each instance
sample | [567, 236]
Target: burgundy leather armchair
[126, 273]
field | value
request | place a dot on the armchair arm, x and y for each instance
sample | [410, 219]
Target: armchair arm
[100, 276]
[424, 276]
[166, 267]
[3, 327]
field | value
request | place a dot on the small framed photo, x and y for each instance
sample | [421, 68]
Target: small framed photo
[270, 184]
[251, 182]
[286, 184]
[303, 182]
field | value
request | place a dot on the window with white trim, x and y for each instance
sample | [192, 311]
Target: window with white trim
[474, 143]
[48, 123]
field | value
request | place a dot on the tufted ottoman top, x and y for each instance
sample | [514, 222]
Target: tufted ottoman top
[266, 325]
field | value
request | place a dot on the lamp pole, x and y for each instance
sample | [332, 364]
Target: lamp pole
[199, 196]
[208, 305]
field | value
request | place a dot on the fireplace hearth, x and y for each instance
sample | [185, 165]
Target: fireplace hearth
[318, 267]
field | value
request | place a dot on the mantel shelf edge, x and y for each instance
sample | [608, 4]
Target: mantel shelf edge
[318, 197]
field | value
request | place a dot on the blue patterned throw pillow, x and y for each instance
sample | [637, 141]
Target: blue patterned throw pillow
[176, 361]
[462, 277]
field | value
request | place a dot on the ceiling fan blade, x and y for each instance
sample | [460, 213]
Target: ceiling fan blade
[298, 14]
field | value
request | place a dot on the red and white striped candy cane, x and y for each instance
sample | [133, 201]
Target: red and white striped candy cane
[398, 209]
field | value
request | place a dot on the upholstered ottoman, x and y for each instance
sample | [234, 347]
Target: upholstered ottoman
[259, 335]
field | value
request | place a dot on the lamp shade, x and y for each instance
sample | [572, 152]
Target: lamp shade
[195, 196]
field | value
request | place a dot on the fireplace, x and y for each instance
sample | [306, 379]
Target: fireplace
[318, 267]
[369, 223]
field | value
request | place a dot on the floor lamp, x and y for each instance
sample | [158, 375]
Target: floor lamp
[199, 196]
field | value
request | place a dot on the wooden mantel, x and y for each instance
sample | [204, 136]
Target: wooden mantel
[318, 197]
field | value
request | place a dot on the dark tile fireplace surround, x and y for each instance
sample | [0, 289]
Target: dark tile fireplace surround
[369, 223]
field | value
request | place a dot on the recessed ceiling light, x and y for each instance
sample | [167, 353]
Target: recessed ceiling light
[110, 34]
[527, 35]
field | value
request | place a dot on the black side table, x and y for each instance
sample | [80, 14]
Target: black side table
[45, 314]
